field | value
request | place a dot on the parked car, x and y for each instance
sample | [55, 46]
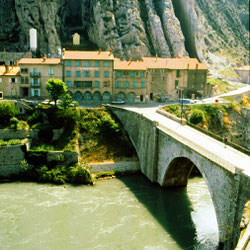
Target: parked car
[186, 101]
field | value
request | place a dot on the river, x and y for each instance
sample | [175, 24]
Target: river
[127, 213]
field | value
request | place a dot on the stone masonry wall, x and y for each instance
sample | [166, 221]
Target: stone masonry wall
[8, 134]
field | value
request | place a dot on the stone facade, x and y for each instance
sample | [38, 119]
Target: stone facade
[8, 134]
[116, 166]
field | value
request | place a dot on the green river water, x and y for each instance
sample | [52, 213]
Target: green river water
[127, 213]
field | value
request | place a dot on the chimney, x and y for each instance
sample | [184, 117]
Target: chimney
[110, 51]
[44, 58]
[99, 51]
[7, 68]
[188, 66]
[197, 66]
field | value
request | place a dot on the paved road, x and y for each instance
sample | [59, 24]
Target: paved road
[229, 157]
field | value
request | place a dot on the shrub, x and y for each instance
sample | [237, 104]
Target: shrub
[7, 111]
[10, 142]
[197, 116]
[45, 133]
[81, 175]
[14, 121]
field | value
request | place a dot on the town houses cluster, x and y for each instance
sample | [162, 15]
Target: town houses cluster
[97, 76]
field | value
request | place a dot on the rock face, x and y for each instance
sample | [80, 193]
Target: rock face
[131, 28]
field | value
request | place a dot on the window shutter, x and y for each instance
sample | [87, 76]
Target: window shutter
[9, 80]
[39, 92]
[32, 92]
[39, 81]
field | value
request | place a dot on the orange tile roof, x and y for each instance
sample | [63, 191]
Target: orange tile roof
[244, 68]
[87, 55]
[129, 65]
[39, 61]
[13, 71]
[173, 63]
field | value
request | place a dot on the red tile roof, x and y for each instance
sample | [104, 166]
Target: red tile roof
[87, 55]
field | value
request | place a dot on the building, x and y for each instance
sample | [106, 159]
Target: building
[12, 58]
[9, 81]
[244, 73]
[94, 76]
[35, 72]
[89, 75]
[129, 81]
[167, 77]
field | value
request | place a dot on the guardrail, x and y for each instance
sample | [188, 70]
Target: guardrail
[211, 134]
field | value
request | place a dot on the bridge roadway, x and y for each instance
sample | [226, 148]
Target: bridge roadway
[224, 155]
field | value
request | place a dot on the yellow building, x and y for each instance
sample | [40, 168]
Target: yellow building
[89, 75]
[10, 81]
[129, 80]
[35, 72]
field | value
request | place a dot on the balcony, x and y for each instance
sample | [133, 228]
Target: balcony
[35, 74]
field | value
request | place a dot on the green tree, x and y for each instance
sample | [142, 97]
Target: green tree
[56, 89]
[67, 102]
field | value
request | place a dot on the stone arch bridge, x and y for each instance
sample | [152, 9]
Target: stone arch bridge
[168, 151]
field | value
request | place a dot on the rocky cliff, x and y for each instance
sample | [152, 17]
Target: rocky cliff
[132, 28]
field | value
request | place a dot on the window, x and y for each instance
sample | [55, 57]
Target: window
[142, 74]
[31, 71]
[87, 63]
[86, 73]
[97, 73]
[35, 92]
[106, 64]
[176, 83]
[87, 84]
[24, 71]
[117, 84]
[106, 73]
[97, 84]
[68, 73]
[26, 80]
[22, 80]
[51, 71]
[13, 80]
[78, 84]
[134, 84]
[126, 73]
[1, 80]
[97, 64]
[132, 73]
[78, 63]
[78, 73]
[106, 84]
[68, 83]
[119, 74]
[143, 84]
[177, 73]
[126, 83]
[68, 63]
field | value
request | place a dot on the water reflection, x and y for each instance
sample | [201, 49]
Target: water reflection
[173, 209]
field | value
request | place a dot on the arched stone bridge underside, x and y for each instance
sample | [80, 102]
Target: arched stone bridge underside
[169, 161]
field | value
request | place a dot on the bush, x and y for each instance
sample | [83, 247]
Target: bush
[80, 175]
[7, 111]
[197, 116]
[10, 142]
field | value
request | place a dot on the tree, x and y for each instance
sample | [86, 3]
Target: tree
[67, 102]
[56, 89]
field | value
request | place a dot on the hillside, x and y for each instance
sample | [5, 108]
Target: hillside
[132, 28]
